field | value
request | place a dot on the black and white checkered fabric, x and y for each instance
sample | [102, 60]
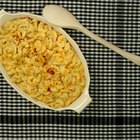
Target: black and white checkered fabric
[115, 82]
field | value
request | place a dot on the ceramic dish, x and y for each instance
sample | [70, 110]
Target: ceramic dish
[80, 103]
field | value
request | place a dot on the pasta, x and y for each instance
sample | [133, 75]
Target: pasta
[41, 62]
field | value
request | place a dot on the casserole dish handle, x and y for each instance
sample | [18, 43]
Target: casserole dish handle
[83, 102]
[2, 12]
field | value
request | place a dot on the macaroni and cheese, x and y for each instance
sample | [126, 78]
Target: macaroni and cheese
[41, 61]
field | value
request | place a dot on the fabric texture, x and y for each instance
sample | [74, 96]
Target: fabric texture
[114, 112]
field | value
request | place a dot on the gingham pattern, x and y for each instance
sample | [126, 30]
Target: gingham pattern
[115, 82]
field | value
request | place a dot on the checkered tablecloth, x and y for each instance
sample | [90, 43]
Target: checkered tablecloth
[114, 113]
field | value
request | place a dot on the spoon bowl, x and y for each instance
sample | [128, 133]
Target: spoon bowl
[59, 16]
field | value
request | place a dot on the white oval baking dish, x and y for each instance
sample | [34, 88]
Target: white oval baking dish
[77, 105]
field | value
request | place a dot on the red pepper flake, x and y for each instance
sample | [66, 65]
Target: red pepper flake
[16, 37]
[51, 71]
[49, 89]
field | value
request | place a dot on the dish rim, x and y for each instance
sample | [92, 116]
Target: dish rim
[77, 105]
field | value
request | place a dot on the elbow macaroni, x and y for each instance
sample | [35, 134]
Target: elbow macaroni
[41, 62]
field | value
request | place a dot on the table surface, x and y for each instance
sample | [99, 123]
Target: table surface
[115, 82]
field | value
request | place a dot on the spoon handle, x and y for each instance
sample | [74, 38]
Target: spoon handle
[132, 57]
